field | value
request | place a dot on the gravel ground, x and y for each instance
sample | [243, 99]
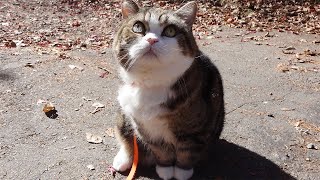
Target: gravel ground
[272, 115]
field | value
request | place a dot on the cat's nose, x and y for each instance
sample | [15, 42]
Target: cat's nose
[152, 40]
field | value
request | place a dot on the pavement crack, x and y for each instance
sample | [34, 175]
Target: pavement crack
[255, 102]
[51, 167]
[243, 104]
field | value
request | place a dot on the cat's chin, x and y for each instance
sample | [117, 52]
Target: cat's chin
[150, 55]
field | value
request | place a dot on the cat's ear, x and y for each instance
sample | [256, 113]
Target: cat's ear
[128, 8]
[188, 12]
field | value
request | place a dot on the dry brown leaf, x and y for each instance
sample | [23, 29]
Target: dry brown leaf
[287, 109]
[93, 138]
[10, 44]
[110, 132]
[282, 67]
[290, 48]
[48, 107]
[287, 52]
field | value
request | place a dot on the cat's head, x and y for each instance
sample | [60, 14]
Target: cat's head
[155, 38]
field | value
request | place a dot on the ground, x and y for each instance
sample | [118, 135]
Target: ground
[271, 82]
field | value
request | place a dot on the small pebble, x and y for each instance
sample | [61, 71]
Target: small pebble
[271, 115]
[307, 159]
[311, 146]
[71, 147]
[112, 171]
[91, 167]
[287, 109]
[297, 124]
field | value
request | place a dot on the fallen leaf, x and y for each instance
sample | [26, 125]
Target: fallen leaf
[64, 56]
[287, 109]
[76, 23]
[297, 124]
[283, 46]
[86, 99]
[98, 105]
[91, 167]
[93, 138]
[110, 132]
[48, 107]
[10, 44]
[74, 67]
[104, 74]
[303, 40]
[282, 67]
[19, 43]
[70, 147]
[301, 61]
[290, 48]
[5, 24]
[287, 52]
[269, 35]
[310, 52]
[29, 65]
[298, 56]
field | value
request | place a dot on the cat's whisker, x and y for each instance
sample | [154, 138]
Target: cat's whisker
[170, 50]
[123, 56]
[132, 63]
[129, 65]
[126, 64]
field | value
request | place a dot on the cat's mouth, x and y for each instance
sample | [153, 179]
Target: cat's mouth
[150, 54]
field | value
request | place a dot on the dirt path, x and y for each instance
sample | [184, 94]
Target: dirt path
[272, 101]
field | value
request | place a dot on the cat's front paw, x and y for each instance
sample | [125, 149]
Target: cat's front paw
[165, 172]
[182, 174]
[122, 161]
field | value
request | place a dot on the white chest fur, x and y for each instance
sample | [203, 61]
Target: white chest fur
[144, 105]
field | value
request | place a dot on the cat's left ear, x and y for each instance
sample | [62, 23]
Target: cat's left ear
[128, 8]
[188, 12]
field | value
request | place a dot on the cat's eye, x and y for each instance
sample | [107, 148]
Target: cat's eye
[139, 27]
[170, 31]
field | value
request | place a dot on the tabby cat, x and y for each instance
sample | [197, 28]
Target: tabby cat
[171, 97]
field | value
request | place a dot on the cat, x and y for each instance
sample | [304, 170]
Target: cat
[171, 96]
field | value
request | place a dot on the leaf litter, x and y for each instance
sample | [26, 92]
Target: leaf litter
[83, 24]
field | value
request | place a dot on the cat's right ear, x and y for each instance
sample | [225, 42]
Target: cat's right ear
[128, 8]
[188, 12]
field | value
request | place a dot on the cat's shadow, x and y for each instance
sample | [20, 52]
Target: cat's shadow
[230, 161]
[6, 76]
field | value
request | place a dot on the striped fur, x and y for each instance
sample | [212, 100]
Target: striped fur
[172, 101]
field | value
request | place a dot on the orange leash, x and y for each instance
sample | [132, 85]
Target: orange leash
[135, 159]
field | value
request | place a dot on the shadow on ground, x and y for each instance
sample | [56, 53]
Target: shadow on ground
[230, 161]
[5, 76]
